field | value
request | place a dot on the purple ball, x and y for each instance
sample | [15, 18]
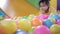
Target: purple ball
[58, 21]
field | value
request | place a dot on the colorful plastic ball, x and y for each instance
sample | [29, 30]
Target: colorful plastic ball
[55, 29]
[42, 30]
[1, 18]
[55, 16]
[31, 30]
[51, 16]
[8, 26]
[36, 22]
[31, 16]
[24, 24]
[21, 32]
[6, 17]
[25, 17]
[47, 23]
[58, 22]
[53, 20]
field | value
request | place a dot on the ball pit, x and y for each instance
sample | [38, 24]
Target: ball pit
[55, 16]
[31, 25]
[24, 24]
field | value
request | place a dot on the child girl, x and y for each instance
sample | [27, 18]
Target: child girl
[44, 9]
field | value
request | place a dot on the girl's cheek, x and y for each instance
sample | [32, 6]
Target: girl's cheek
[45, 8]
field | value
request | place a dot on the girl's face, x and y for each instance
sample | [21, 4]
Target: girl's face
[43, 7]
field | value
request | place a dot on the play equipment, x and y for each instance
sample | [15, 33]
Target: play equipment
[33, 26]
[36, 22]
[34, 3]
[8, 26]
[42, 30]
[55, 16]
[53, 20]
[24, 24]
[55, 29]
[27, 7]
[31, 16]
[47, 23]
[31, 30]
[58, 22]
[21, 32]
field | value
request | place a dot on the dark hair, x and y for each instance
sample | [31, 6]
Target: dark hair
[46, 2]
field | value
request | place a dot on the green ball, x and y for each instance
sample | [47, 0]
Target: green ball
[31, 30]
[55, 29]
[30, 17]
[1, 18]
[25, 17]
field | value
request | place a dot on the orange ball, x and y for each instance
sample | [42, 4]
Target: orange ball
[36, 22]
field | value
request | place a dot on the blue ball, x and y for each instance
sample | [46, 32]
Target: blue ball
[2, 13]
[20, 32]
[55, 16]
[47, 23]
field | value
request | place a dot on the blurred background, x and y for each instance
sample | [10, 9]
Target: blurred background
[14, 8]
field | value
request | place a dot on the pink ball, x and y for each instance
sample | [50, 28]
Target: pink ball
[42, 30]
[6, 17]
[58, 22]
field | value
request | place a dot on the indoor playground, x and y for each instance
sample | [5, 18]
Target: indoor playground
[29, 17]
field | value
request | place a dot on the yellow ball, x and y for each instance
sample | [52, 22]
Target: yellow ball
[24, 25]
[55, 29]
[8, 26]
